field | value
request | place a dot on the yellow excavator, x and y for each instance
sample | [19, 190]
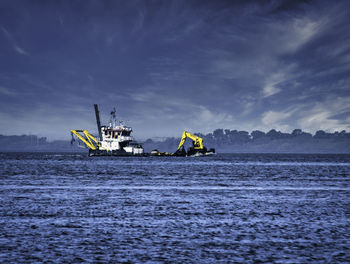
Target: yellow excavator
[197, 148]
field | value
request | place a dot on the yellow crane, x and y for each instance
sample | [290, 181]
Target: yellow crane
[197, 141]
[87, 138]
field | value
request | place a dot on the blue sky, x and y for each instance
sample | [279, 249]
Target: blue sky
[168, 66]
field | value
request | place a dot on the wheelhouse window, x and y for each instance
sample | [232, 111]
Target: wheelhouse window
[126, 133]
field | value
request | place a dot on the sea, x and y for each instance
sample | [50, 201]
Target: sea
[226, 208]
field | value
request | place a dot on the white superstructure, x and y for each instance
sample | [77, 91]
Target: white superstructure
[118, 137]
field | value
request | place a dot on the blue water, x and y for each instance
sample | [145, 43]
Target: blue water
[223, 209]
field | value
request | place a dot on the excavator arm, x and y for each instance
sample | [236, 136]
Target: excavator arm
[197, 141]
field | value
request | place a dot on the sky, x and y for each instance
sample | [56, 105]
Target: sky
[169, 66]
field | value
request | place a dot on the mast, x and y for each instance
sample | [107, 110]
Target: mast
[98, 121]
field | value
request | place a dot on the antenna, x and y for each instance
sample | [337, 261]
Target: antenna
[113, 120]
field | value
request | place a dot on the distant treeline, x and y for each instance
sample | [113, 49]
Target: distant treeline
[223, 140]
[34, 143]
[228, 141]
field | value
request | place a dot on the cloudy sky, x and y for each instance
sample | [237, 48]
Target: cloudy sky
[173, 65]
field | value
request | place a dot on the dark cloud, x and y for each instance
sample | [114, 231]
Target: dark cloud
[174, 65]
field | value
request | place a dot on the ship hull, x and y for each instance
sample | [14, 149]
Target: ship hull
[119, 153]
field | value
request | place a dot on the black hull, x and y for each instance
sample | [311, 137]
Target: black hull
[182, 152]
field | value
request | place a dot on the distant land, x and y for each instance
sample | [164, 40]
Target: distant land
[223, 140]
[27, 143]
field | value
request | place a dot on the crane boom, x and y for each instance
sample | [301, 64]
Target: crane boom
[197, 141]
[87, 138]
[97, 113]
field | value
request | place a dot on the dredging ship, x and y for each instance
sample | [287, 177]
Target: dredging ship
[116, 140]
